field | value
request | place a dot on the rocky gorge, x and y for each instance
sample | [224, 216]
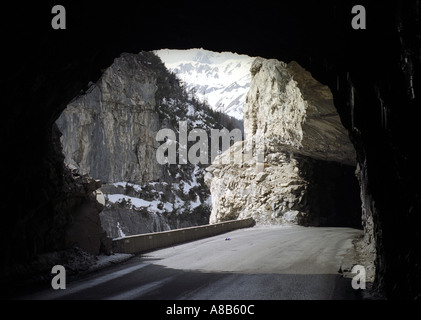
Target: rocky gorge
[110, 133]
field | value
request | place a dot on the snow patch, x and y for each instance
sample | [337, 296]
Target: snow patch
[104, 260]
[121, 234]
[136, 187]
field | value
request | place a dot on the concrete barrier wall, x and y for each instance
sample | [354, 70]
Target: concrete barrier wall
[150, 241]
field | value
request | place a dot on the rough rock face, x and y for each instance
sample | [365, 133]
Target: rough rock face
[287, 106]
[243, 190]
[110, 131]
[84, 228]
[307, 176]
[368, 214]
[77, 211]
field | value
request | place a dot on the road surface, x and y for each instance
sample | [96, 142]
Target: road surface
[260, 263]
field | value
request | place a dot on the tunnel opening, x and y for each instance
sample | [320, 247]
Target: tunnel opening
[333, 194]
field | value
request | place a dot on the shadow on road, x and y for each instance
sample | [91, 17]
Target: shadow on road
[156, 282]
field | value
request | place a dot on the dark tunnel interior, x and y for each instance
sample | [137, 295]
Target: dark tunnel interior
[373, 75]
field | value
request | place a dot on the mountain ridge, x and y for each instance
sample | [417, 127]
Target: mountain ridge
[221, 79]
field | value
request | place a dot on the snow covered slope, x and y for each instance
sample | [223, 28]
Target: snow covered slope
[220, 78]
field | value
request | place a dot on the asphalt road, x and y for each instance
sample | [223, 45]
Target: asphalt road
[260, 263]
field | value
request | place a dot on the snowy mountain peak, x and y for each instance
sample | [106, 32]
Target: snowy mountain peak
[220, 78]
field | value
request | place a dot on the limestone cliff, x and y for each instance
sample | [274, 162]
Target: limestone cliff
[305, 173]
[289, 107]
[110, 131]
